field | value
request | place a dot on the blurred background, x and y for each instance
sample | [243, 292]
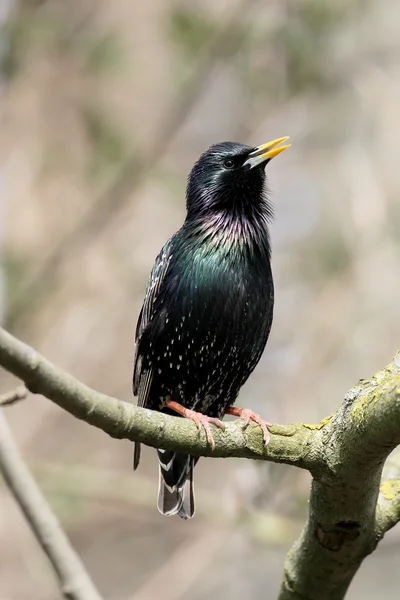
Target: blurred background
[104, 108]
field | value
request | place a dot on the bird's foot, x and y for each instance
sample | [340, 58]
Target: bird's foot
[248, 415]
[198, 418]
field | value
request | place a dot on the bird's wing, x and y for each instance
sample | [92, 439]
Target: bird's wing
[142, 377]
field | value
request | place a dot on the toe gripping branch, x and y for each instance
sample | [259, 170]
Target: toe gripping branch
[202, 421]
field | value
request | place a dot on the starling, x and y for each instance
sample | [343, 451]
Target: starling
[208, 307]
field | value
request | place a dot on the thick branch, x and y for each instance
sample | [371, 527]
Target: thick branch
[344, 524]
[293, 445]
[388, 510]
[75, 583]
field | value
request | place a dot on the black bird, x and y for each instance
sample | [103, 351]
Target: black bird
[208, 307]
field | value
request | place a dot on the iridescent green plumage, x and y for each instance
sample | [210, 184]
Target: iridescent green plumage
[209, 304]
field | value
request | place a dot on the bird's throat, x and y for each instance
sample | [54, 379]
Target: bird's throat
[233, 234]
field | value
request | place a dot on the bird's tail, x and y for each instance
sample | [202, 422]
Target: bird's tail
[175, 491]
[136, 456]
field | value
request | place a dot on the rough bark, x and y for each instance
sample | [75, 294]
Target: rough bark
[347, 517]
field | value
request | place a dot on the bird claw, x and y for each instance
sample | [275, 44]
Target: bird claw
[247, 415]
[203, 421]
[199, 419]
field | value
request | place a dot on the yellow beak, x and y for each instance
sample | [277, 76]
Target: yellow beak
[266, 152]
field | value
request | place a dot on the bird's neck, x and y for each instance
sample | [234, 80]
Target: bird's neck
[231, 232]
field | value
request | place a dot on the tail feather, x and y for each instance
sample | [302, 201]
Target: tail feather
[188, 508]
[136, 456]
[175, 492]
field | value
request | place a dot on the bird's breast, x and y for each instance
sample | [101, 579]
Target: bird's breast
[212, 320]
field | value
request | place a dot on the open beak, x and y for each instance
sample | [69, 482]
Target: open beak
[263, 154]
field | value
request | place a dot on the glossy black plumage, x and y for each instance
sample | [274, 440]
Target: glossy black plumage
[208, 307]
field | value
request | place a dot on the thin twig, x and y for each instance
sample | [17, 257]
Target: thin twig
[75, 582]
[15, 396]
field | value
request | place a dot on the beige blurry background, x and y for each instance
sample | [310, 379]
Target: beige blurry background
[104, 108]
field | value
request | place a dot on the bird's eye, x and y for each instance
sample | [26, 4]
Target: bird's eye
[228, 163]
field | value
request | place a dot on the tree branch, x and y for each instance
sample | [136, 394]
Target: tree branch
[293, 445]
[15, 396]
[345, 524]
[388, 509]
[345, 453]
[75, 583]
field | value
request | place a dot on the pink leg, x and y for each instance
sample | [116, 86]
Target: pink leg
[248, 415]
[200, 419]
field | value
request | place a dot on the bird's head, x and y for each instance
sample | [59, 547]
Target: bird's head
[230, 177]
